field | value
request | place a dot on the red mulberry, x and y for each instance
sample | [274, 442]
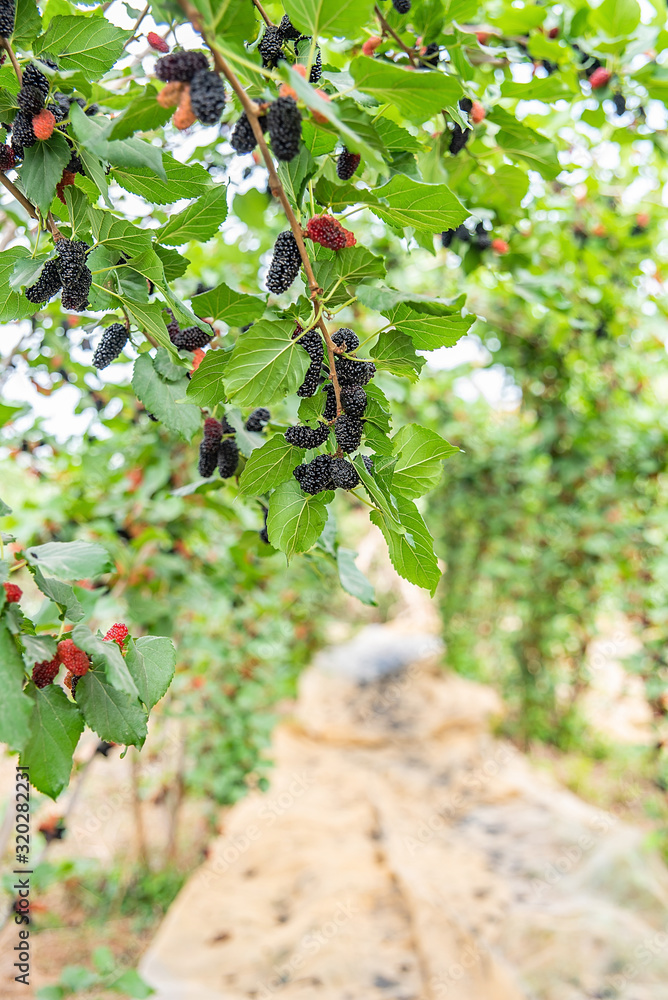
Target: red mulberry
[76, 661]
[43, 124]
[13, 593]
[156, 42]
[45, 672]
[118, 633]
[327, 231]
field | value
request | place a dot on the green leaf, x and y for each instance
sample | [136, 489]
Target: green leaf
[199, 221]
[96, 171]
[144, 114]
[91, 44]
[379, 493]
[616, 18]
[343, 267]
[395, 138]
[131, 984]
[269, 466]
[295, 521]
[4, 508]
[61, 594]
[206, 387]
[13, 305]
[106, 655]
[521, 143]
[114, 715]
[266, 364]
[428, 333]
[70, 560]
[42, 169]
[174, 264]
[294, 174]
[15, 706]
[352, 579]
[329, 17]
[417, 94]
[160, 398]
[27, 271]
[182, 180]
[125, 152]
[166, 368]
[37, 648]
[149, 318]
[395, 353]
[55, 728]
[151, 661]
[28, 24]
[117, 234]
[504, 190]
[420, 463]
[233, 308]
[431, 207]
[338, 197]
[412, 552]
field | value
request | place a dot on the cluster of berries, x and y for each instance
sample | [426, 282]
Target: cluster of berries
[67, 271]
[282, 121]
[330, 471]
[478, 238]
[328, 232]
[75, 660]
[195, 90]
[218, 448]
[460, 136]
[36, 120]
[193, 338]
[276, 36]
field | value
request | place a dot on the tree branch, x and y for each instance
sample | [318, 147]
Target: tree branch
[275, 186]
[263, 13]
[14, 61]
[390, 31]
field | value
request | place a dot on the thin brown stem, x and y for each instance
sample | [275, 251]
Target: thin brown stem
[139, 20]
[392, 33]
[278, 191]
[12, 58]
[263, 14]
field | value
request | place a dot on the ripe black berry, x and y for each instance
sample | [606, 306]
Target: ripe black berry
[482, 238]
[347, 163]
[208, 457]
[189, 339]
[353, 400]
[459, 138]
[114, 339]
[344, 474]
[271, 46]
[207, 96]
[75, 166]
[44, 673]
[312, 344]
[447, 237]
[284, 123]
[33, 77]
[180, 66]
[619, 102]
[466, 104]
[348, 432]
[309, 386]
[47, 285]
[431, 54]
[75, 294]
[242, 139]
[346, 337]
[315, 476]
[368, 463]
[30, 100]
[228, 458]
[7, 158]
[287, 29]
[350, 371]
[23, 135]
[307, 437]
[258, 419]
[401, 6]
[285, 263]
[264, 534]
[330, 403]
[7, 15]
[71, 259]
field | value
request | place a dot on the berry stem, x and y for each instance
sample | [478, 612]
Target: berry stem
[390, 31]
[263, 14]
[139, 20]
[18, 565]
[14, 61]
[275, 186]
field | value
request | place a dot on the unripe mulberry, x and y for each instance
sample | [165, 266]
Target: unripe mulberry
[47, 285]
[22, 133]
[315, 476]
[7, 158]
[171, 94]
[599, 78]
[344, 474]
[243, 138]
[228, 458]
[500, 246]
[347, 338]
[460, 136]
[180, 66]
[208, 457]
[43, 124]
[350, 238]
[353, 400]
[371, 44]
[30, 100]
[156, 42]
[184, 116]
[7, 15]
[348, 432]
[65, 181]
[287, 29]
[401, 6]
[75, 659]
[271, 46]
[75, 295]
[44, 673]
[114, 339]
[285, 263]
[327, 231]
[213, 429]
[190, 339]
[207, 96]
[13, 593]
[477, 113]
[347, 163]
[118, 633]
[258, 419]
[284, 123]
[71, 259]
[307, 437]
[350, 371]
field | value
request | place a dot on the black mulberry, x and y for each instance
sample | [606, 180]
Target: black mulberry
[353, 400]
[401, 6]
[346, 164]
[284, 123]
[7, 15]
[243, 139]
[30, 100]
[7, 158]
[71, 259]
[114, 339]
[459, 138]
[330, 403]
[208, 457]
[431, 54]
[263, 533]
[368, 463]
[33, 77]
[347, 338]
[307, 437]
[312, 344]
[228, 458]
[189, 339]
[287, 29]
[466, 104]
[348, 432]
[315, 476]
[619, 102]
[47, 285]
[75, 294]
[258, 419]
[482, 238]
[344, 474]
[23, 134]
[285, 263]
[207, 96]
[180, 66]
[271, 46]
[350, 371]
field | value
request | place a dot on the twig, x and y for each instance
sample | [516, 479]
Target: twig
[136, 25]
[390, 31]
[263, 13]
[14, 61]
[275, 186]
